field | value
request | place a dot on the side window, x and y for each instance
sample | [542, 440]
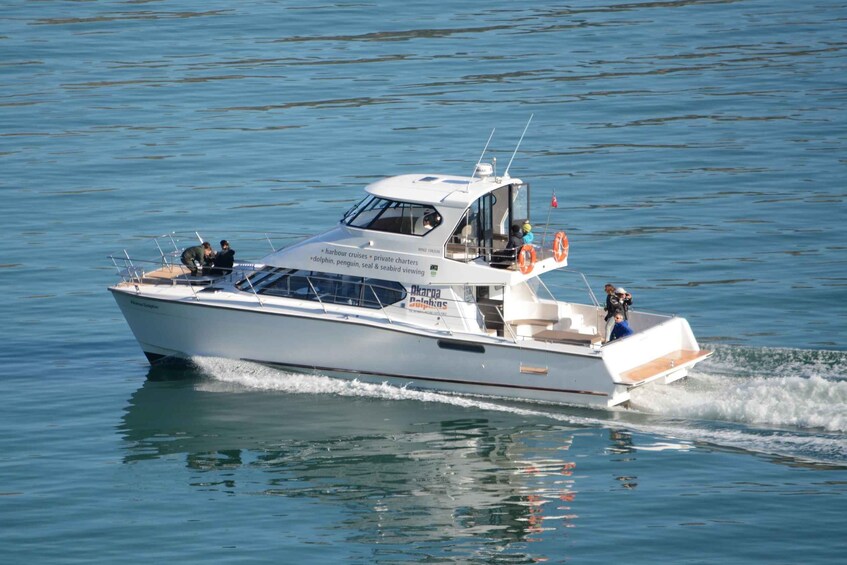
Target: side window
[291, 285]
[380, 293]
[328, 288]
[396, 218]
[349, 291]
[426, 218]
[260, 278]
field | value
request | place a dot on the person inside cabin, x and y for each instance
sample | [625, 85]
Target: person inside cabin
[504, 258]
[195, 257]
[431, 220]
[516, 240]
[223, 260]
[621, 327]
[528, 236]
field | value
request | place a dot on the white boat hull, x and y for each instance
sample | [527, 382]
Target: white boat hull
[344, 346]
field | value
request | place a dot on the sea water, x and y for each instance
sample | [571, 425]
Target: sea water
[697, 152]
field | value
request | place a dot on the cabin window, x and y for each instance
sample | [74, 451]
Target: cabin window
[484, 229]
[377, 293]
[354, 209]
[379, 214]
[328, 288]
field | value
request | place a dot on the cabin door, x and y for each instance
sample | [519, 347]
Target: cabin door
[486, 225]
[489, 299]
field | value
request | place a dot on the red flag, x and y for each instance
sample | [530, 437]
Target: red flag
[554, 203]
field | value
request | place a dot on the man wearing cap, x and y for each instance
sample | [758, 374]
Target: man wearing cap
[223, 260]
[528, 236]
[618, 301]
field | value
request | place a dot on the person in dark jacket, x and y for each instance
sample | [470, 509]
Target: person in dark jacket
[195, 257]
[625, 300]
[610, 308]
[223, 261]
[506, 257]
[516, 240]
[621, 328]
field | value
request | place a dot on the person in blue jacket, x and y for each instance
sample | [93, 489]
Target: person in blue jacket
[621, 328]
[528, 236]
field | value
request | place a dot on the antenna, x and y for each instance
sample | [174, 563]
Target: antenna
[484, 149]
[506, 173]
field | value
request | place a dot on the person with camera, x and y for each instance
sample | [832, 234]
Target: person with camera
[618, 301]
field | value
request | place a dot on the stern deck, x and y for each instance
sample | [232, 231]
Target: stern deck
[664, 364]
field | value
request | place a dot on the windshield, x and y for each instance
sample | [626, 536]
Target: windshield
[393, 216]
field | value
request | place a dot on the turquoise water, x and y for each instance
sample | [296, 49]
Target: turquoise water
[697, 150]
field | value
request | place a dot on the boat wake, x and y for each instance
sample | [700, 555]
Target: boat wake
[240, 376]
[780, 402]
[787, 402]
[783, 388]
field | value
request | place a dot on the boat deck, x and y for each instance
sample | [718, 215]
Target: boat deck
[166, 273]
[173, 275]
[567, 337]
[663, 364]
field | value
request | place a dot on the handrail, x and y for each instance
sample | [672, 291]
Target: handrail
[590, 291]
[506, 324]
[256, 294]
[315, 291]
[131, 268]
[381, 307]
[273, 249]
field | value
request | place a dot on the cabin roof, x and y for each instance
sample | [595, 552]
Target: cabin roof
[437, 189]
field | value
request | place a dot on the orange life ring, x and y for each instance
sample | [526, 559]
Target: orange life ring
[526, 266]
[560, 247]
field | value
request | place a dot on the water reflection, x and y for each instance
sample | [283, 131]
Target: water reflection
[401, 470]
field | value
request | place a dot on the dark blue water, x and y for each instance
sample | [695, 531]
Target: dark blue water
[698, 153]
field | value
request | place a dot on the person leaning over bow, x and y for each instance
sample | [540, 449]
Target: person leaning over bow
[195, 257]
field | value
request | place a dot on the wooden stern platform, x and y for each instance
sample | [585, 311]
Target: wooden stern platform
[664, 364]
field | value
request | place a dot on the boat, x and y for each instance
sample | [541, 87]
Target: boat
[415, 286]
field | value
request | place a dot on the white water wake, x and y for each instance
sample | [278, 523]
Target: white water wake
[764, 387]
[814, 403]
[239, 376]
[790, 403]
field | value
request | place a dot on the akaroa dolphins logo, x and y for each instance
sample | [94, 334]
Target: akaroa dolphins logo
[426, 298]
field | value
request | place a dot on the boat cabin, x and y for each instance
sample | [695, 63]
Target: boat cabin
[472, 216]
